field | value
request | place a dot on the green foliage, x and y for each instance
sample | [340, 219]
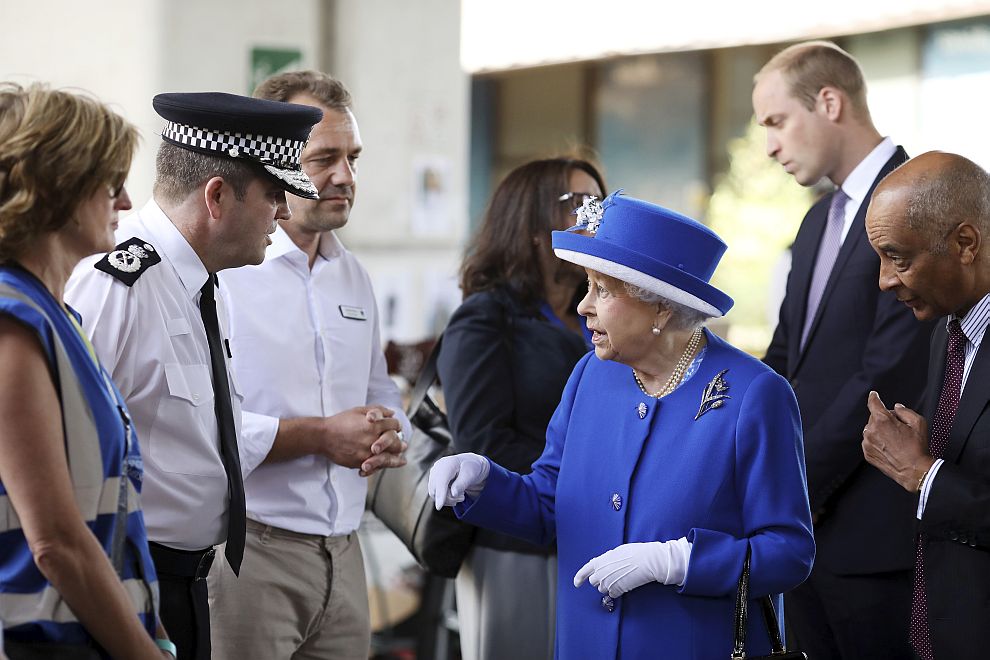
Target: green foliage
[756, 209]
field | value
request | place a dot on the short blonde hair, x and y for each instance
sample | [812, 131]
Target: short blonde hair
[809, 66]
[57, 148]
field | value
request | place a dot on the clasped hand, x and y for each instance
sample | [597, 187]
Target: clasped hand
[453, 477]
[366, 437]
[632, 565]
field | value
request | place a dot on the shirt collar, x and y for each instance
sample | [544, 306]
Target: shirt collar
[974, 324]
[858, 183]
[282, 245]
[169, 240]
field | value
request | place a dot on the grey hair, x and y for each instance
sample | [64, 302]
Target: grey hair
[939, 201]
[682, 317]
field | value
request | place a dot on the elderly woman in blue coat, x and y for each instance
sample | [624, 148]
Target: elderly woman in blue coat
[671, 453]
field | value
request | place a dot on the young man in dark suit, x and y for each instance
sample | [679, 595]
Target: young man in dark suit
[927, 222]
[838, 338]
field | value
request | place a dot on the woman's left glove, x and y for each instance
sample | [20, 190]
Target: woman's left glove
[632, 565]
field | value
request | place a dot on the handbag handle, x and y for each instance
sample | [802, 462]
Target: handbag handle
[427, 376]
[742, 615]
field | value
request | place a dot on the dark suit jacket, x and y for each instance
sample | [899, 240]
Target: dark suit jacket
[861, 339]
[956, 520]
[503, 368]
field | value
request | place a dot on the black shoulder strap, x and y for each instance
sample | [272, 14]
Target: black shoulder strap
[427, 376]
[128, 261]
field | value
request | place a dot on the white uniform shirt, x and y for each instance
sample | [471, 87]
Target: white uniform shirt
[306, 344]
[150, 336]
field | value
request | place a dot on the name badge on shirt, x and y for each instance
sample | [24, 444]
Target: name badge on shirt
[355, 313]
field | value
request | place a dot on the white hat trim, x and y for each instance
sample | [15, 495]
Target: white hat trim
[636, 278]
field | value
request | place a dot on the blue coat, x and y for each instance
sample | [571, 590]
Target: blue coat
[614, 473]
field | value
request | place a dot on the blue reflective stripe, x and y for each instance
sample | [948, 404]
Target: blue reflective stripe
[18, 574]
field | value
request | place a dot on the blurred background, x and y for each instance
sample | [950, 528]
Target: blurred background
[450, 95]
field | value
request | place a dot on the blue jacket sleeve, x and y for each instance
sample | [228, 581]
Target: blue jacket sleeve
[772, 493]
[523, 506]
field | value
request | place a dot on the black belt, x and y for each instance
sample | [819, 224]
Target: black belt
[194, 564]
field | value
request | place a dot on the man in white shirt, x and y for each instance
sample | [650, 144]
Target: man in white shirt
[837, 338]
[157, 322]
[321, 413]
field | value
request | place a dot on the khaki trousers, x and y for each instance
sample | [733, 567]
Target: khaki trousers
[298, 597]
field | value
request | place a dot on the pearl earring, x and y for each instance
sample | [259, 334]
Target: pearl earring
[656, 331]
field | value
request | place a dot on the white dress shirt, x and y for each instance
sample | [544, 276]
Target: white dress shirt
[974, 327]
[857, 184]
[150, 337]
[306, 344]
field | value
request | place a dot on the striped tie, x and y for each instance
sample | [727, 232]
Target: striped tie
[827, 252]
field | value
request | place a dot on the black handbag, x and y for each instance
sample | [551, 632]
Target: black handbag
[777, 650]
[399, 498]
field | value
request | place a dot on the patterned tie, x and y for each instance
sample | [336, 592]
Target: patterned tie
[236, 516]
[945, 415]
[827, 252]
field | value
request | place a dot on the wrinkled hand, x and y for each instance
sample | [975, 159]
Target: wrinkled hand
[896, 443]
[453, 477]
[632, 565]
[351, 437]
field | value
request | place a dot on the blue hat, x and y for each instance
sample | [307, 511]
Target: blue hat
[650, 247]
[268, 133]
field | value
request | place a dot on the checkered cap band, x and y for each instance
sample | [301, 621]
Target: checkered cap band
[277, 151]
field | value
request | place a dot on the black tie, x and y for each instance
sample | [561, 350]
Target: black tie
[236, 517]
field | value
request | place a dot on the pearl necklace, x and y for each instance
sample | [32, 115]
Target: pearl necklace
[678, 373]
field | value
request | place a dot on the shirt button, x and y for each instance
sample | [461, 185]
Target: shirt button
[195, 397]
[608, 604]
[616, 501]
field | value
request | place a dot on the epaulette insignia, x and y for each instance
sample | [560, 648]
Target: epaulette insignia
[129, 260]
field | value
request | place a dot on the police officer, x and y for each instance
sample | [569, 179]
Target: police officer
[155, 311]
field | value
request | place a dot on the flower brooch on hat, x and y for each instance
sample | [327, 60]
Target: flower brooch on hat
[590, 214]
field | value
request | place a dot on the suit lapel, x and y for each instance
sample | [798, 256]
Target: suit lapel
[857, 231]
[974, 400]
[802, 268]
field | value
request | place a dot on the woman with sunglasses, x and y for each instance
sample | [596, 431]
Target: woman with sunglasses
[76, 578]
[505, 357]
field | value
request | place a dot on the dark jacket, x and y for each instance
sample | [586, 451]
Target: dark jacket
[956, 520]
[862, 339]
[503, 368]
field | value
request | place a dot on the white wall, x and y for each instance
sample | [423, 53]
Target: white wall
[126, 51]
[400, 61]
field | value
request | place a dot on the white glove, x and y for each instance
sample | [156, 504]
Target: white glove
[632, 565]
[453, 477]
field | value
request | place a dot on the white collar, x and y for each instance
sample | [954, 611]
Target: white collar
[858, 183]
[170, 241]
[283, 246]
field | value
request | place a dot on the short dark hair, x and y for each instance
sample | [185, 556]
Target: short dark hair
[526, 204]
[809, 66]
[940, 200]
[180, 171]
[323, 87]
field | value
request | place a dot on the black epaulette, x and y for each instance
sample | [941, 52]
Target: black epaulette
[129, 260]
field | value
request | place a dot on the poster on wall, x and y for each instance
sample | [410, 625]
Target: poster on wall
[267, 62]
[430, 213]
